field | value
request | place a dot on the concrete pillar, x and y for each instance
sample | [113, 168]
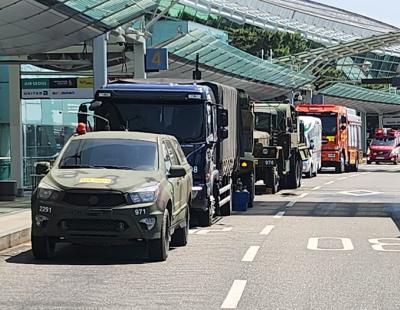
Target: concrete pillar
[380, 117]
[139, 48]
[99, 62]
[308, 97]
[16, 145]
[364, 132]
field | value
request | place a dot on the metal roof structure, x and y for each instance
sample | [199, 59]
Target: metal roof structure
[361, 98]
[226, 64]
[32, 26]
[339, 51]
[317, 22]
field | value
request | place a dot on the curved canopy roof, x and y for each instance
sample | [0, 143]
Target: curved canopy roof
[33, 26]
[229, 65]
[363, 99]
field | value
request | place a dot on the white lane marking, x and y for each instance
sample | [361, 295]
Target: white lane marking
[342, 178]
[206, 231]
[304, 195]
[192, 231]
[378, 245]
[313, 244]
[354, 175]
[235, 293]
[328, 183]
[291, 203]
[280, 214]
[267, 230]
[316, 188]
[250, 254]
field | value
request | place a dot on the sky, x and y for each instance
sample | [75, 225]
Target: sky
[387, 11]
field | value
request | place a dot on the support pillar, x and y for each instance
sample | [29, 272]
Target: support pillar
[364, 143]
[308, 96]
[380, 118]
[139, 48]
[99, 62]
[16, 143]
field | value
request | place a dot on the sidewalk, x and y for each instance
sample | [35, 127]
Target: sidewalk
[15, 222]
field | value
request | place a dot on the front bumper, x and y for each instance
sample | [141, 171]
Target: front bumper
[89, 225]
[387, 159]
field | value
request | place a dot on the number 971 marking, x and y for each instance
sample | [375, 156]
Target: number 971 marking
[140, 211]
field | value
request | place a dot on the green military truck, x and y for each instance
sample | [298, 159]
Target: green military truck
[279, 146]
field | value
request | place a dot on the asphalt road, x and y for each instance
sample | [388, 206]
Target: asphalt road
[332, 244]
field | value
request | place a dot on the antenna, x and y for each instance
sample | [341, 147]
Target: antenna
[197, 72]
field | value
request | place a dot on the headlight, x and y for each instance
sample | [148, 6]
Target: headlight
[45, 192]
[143, 195]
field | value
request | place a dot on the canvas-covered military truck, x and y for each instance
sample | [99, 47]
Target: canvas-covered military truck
[212, 122]
[280, 147]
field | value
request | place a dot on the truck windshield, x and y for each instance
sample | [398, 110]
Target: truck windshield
[110, 154]
[383, 142]
[263, 122]
[184, 121]
[329, 125]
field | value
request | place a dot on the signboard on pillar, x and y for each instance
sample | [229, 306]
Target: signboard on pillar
[57, 88]
[156, 59]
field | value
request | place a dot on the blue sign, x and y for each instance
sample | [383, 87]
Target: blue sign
[156, 59]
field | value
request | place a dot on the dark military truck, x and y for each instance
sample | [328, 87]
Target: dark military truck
[280, 147]
[212, 122]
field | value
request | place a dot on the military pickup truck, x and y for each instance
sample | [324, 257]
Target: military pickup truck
[110, 188]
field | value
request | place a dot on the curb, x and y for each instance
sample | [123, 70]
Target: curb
[15, 238]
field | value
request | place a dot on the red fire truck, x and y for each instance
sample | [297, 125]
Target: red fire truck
[341, 135]
[385, 146]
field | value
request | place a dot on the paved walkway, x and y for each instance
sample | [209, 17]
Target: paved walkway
[15, 222]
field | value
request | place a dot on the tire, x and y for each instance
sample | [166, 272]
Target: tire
[369, 162]
[315, 173]
[42, 247]
[340, 167]
[354, 168]
[294, 177]
[309, 174]
[158, 248]
[226, 209]
[205, 218]
[271, 180]
[180, 236]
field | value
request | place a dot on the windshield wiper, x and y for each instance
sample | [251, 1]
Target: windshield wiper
[75, 166]
[113, 167]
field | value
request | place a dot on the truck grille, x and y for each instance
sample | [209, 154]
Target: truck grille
[95, 199]
[94, 225]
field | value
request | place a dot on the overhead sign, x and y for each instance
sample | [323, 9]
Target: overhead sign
[156, 59]
[57, 88]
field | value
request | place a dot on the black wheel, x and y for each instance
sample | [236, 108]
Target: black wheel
[205, 217]
[272, 180]
[354, 168]
[315, 173]
[310, 173]
[158, 248]
[42, 247]
[294, 177]
[180, 236]
[340, 167]
[225, 210]
[369, 162]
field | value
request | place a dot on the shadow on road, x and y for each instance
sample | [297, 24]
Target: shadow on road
[67, 254]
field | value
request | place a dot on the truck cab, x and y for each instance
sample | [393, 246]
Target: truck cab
[384, 147]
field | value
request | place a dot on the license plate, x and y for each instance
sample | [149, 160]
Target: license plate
[270, 162]
[331, 155]
[380, 157]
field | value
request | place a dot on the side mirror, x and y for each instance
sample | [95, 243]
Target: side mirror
[222, 117]
[343, 127]
[343, 119]
[176, 172]
[222, 134]
[42, 167]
